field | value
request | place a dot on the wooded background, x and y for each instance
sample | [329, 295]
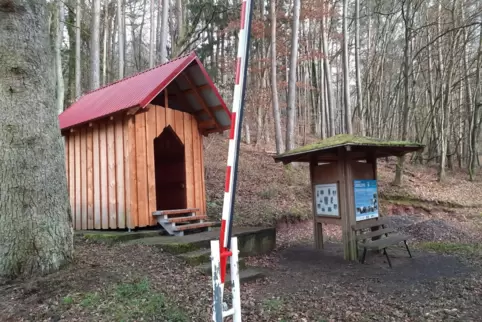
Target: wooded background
[408, 69]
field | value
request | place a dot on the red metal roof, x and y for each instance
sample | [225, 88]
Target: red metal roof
[140, 89]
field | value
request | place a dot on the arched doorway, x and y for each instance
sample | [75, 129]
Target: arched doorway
[169, 158]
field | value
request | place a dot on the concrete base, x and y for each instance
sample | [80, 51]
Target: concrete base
[251, 240]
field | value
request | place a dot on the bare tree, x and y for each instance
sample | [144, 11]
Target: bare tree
[121, 33]
[36, 225]
[59, 23]
[164, 31]
[152, 41]
[274, 82]
[327, 69]
[78, 70]
[346, 71]
[95, 47]
[290, 122]
[359, 96]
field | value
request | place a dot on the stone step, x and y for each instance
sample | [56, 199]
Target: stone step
[197, 257]
[247, 275]
[206, 268]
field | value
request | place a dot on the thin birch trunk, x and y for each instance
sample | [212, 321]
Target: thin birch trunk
[290, 122]
[78, 71]
[95, 47]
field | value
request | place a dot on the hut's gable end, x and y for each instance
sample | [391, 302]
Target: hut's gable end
[147, 126]
[98, 174]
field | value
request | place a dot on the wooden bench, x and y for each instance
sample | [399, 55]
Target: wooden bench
[376, 235]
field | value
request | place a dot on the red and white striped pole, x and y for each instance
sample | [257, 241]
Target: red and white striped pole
[235, 135]
[226, 248]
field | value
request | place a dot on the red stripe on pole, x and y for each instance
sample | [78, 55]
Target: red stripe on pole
[243, 13]
[228, 179]
[223, 259]
[233, 125]
[238, 70]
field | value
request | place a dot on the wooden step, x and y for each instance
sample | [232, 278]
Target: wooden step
[194, 226]
[175, 212]
[187, 219]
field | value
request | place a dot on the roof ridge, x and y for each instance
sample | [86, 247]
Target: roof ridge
[137, 74]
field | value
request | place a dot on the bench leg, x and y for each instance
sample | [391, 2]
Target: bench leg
[364, 254]
[388, 258]
[408, 250]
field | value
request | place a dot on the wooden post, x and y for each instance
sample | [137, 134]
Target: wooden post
[317, 226]
[347, 204]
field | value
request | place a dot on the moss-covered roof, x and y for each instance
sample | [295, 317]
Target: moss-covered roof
[387, 147]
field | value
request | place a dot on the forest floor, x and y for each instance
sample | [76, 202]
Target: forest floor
[443, 281]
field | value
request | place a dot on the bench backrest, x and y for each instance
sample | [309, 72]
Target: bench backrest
[380, 223]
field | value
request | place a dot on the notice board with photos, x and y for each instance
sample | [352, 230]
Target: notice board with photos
[326, 198]
[366, 199]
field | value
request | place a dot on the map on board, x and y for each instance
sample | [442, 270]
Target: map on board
[326, 200]
[366, 199]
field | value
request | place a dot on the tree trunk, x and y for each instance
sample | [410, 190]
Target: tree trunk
[78, 39]
[152, 29]
[274, 84]
[346, 71]
[59, 18]
[290, 122]
[329, 85]
[475, 119]
[121, 31]
[95, 47]
[105, 43]
[359, 96]
[164, 31]
[37, 235]
[406, 93]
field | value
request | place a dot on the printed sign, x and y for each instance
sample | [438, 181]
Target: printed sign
[326, 200]
[366, 199]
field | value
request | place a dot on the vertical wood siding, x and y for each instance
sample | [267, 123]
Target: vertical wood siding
[111, 168]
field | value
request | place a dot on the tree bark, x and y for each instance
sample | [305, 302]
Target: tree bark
[121, 31]
[59, 18]
[95, 47]
[36, 226]
[164, 31]
[152, 29]
[406, 94]
[274, 82]
[290, 123]
[78, 39]
[359, 96]
[329, 84]
[346, 71]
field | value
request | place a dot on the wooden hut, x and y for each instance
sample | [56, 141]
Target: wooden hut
[134, 148]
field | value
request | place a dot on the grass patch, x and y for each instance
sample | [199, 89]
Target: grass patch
[273, 304]
[129, 302]
[452, 248]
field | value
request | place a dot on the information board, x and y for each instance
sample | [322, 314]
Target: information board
[327, 200]
[366, 199]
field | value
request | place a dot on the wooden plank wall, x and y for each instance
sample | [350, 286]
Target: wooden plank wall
[111, 169]
[98, 175]
[147, 126]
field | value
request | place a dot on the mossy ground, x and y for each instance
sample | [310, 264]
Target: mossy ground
[127, 302]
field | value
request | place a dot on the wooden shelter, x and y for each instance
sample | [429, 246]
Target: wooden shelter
[343, 168]
[135, 147]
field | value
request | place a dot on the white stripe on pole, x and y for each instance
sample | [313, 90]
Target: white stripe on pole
[238, 103]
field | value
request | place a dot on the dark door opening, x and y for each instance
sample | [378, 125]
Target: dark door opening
[169, 159]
